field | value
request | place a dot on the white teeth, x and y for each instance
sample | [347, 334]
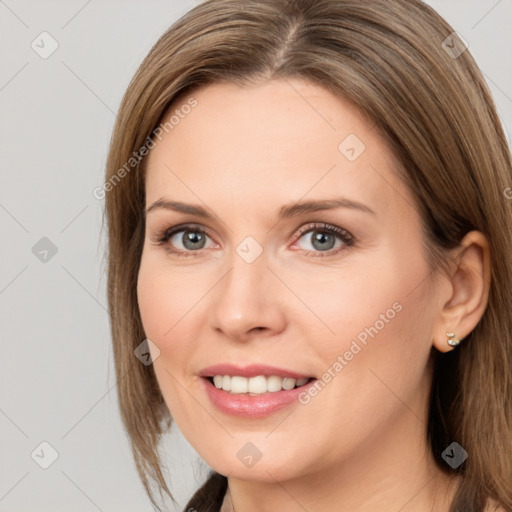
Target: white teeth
[238, 384]
[288, 383]
[256, 385]
[226, 383]
[274, 383]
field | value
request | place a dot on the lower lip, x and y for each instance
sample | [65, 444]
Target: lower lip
[252, 406]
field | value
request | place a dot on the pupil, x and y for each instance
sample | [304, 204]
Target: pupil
[190, 238]
[323, 239]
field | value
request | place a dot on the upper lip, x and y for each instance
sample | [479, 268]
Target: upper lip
[252, 370]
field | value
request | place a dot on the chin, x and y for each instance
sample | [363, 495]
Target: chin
[267, 468]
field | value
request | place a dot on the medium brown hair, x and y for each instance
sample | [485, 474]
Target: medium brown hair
[436, 113]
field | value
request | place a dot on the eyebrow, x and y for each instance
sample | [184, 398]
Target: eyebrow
[287, 211]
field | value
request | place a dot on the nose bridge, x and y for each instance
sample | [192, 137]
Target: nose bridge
[242, 300]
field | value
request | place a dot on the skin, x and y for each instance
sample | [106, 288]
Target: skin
[360, 444]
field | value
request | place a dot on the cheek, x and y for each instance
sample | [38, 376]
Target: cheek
[383, 300]
[166, 297]
[358, 301]
[170, 303]
[382, 319]
[383, 333]
[163, 312]
[380, 316]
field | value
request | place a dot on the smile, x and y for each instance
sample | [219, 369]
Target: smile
[258, 385]
[254, 405]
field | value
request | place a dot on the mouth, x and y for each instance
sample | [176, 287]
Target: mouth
[254, 397]
[258, 385]
[253, 391]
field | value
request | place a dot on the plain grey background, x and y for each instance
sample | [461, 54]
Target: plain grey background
[57, 380]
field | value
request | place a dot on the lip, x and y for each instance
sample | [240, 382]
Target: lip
[252, 370]
[251, 406]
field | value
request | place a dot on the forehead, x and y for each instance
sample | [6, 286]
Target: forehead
[281, 139]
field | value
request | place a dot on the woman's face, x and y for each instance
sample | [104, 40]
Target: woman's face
[252, 279]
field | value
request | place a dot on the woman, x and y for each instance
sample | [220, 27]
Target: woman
[309, 260]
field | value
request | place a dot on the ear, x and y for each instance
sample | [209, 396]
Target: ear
[467, 291]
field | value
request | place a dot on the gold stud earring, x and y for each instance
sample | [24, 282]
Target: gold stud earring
[452, 340]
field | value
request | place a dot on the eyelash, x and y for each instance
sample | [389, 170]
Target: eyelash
[163, 236]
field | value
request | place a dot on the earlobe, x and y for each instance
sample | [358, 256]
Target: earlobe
[447, 342]
[469, 282]
[452, 340]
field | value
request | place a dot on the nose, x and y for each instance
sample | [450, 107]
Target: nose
[247, 301]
